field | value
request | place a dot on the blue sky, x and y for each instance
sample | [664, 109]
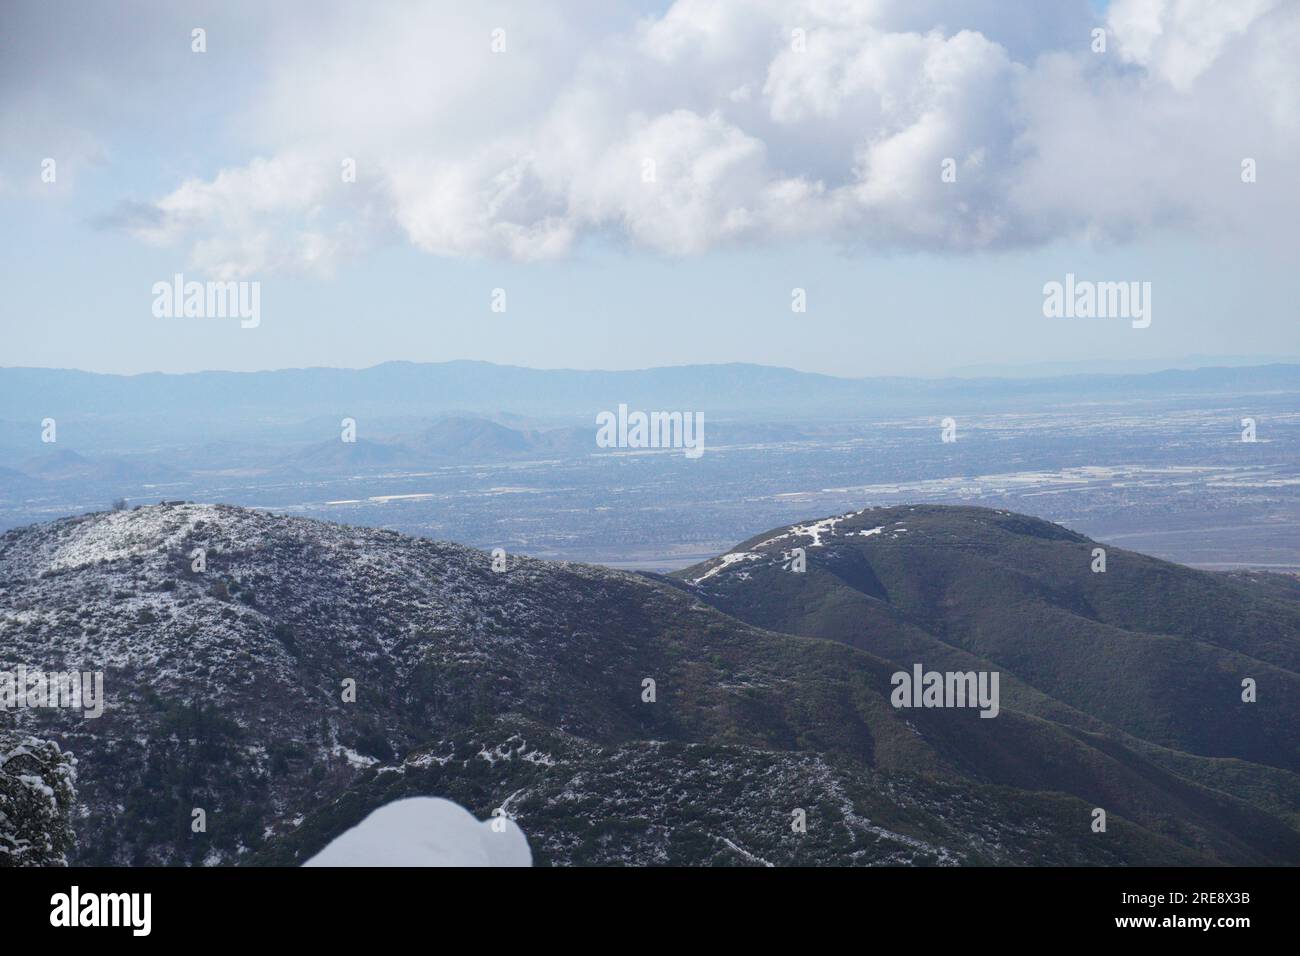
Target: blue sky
[775, 169]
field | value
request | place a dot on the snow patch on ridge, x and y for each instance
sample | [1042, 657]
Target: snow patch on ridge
[814, 530]
[122, 534]
[727, 560]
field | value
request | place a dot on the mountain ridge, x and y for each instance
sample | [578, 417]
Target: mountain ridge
[525, 688]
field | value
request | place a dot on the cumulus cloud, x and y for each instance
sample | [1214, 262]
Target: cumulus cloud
[284, 213]
[1178, 40]
[747, 121]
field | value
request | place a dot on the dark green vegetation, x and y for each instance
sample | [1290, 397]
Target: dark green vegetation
[37, 795]
[671, 803]
[523, 690]
[1137, 672]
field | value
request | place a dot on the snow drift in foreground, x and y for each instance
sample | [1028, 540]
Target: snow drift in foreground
[427, 831]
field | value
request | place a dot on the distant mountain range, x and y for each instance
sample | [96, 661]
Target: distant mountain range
[698, 718]
[1115, 366]
[123, 434]
[244, 404]
[452, 439]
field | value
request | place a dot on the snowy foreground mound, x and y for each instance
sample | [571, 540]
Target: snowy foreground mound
[427, 831]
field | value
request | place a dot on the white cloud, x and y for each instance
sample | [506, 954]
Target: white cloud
[1178, 40]
[280, 214]
[463, 152]
[709, 183]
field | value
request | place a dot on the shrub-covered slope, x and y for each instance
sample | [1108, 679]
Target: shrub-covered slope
[228, 690]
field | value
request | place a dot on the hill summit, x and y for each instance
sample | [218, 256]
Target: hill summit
[286, 677]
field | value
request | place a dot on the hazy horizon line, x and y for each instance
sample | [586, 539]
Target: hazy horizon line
[982, 370]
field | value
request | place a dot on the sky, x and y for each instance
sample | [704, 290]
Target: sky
[648, 183]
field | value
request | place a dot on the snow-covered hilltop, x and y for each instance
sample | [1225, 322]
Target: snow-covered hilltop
[290, 653]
